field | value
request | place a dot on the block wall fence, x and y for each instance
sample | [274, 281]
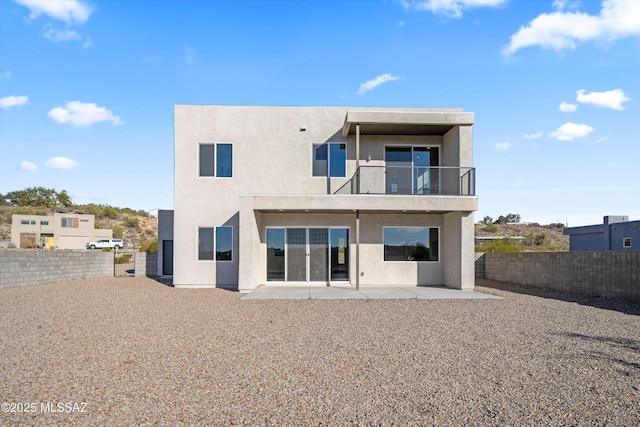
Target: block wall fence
[31, 267]
[603, 274]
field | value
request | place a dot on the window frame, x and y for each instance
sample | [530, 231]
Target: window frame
[215, 167]
[66, 221]
[427, 227]
[624, 242]
[214, 242]
[327, 173]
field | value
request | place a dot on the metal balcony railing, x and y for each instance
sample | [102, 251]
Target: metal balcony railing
[412, 180]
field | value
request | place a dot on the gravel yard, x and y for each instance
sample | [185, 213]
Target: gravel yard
[135, 352]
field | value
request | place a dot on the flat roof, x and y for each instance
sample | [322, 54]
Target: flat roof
[407, 122]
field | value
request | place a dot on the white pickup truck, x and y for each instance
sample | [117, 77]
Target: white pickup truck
[106, 243]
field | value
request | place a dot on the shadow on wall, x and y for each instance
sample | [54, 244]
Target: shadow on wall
[227, 272]
[623, 306]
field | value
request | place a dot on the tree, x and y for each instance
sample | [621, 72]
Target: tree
[64, 198]
[510, 218]
[487, 220]
[38, 196]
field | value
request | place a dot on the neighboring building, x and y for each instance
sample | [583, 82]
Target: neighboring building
[616, 233]
[323, 196]
[61, 231]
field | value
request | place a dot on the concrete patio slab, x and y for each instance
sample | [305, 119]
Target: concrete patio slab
[279, 292]
[326, 292]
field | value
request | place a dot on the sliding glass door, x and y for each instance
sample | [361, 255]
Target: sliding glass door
[308, 255]
[411, 170]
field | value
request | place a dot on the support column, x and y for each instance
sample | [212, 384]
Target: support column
[357, 147]
[357, 249]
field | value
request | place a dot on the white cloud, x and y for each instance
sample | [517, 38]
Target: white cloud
[569, 131]
[69, 11]
[28, 166]
[535, 135]
[451, 8]
[502, 146]
[567, 107]
[83, 114]
[13, 101]
[561, 30]
[565, 4]
[61, 163]
[5, 75]
[375, 82]
[57, 36]
[609, 99]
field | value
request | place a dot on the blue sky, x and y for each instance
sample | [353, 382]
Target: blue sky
[87, 88]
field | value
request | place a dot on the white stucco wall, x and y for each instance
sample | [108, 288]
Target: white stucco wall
[273, 156]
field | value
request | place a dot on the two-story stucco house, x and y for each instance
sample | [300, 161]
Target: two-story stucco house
[330, 196]
[61, 230]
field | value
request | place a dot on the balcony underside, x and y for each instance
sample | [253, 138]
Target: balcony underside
[374, 203]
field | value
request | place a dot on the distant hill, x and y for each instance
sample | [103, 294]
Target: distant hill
[521, 237]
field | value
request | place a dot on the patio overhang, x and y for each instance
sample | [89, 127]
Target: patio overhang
[363, 203]
[410, 122]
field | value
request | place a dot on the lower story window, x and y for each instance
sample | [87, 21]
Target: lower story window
[224, 243]
[215, 242]
[205, 243]
[411, 243]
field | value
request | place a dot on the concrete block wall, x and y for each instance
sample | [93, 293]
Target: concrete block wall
[146, 264]
[603, 274]
[30, 267]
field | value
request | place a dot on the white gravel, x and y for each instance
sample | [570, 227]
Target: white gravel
[136, 352]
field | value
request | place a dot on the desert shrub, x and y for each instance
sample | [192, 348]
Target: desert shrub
[123, 259]
[559, 247]
[535, 239]
[110, 212]
[92, 209]
[5, 218]
[495, 246]
[149, 231]
[106, 249]
[118, 232]
[150, 247]
[490, 228]
[132, 221]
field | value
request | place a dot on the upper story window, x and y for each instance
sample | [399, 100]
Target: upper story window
[330, 159]
[216, 160]
[626, 242]
[27, 222]
[44, 222]
[69, 222]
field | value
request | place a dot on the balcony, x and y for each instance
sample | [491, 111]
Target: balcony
[412, 180]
